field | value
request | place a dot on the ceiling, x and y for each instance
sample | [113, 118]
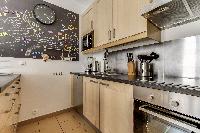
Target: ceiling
[77, 6]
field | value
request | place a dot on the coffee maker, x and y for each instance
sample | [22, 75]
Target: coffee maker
[146, 68]
[89, 65]
[93, 66]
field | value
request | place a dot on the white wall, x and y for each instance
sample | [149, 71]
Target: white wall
[77, 6]
[186, 30]
[41, 90]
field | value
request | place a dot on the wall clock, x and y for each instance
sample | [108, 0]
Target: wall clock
[44, 14]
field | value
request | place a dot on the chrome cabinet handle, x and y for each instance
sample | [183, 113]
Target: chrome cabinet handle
[92, 25]
[18, 109]
[17, 93]
[84, 89]
[93, 81]
[104, 84]
[7, 94]
[114, 33]
[109, 35]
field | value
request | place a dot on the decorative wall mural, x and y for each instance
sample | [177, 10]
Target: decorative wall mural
[22, 36]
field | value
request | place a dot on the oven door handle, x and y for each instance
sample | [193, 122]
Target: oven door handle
[171, 120]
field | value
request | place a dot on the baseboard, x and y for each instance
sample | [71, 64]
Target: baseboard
[42, 117]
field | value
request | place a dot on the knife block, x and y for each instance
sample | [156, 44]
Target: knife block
[131, 68]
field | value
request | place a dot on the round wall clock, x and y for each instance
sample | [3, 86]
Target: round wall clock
[44, 14]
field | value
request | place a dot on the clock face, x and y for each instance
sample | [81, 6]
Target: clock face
[44, 14]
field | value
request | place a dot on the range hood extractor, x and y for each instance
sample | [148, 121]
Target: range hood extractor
[170, 13]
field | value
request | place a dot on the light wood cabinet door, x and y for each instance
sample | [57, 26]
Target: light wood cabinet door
[116, 107]
[91, 100]
[103, 22]
[87, 24]
[127, 20]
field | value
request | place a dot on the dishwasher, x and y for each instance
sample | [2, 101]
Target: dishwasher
[77, 92]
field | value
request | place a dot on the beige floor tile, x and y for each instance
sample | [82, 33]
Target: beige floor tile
[68, 122]
[29, 128]
[71, 122]
[49, 125]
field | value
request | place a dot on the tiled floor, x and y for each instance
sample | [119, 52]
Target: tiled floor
[68, 122]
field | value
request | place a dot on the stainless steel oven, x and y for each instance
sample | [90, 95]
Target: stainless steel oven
[157, 111]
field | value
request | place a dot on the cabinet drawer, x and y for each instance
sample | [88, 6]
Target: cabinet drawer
[6, 103]
[8, 129]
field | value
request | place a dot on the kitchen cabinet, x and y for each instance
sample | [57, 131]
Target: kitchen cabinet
[91, 100]
[10, 107]
[87, 21]
[108, 105]
[103, 22]
[116, 107]
[119, 22]
[127, 20]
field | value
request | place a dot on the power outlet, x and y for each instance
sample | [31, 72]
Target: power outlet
[22, 63]
[35, 111]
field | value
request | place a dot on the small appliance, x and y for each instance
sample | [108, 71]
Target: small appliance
[96, 67]
[146, 67]
[88, 41]
[89, 68]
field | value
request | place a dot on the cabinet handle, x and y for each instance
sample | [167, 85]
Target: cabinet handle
[92, 25]
[17, 93]
[19, 107]
[85, 92]
[7, 94]
[114, 33]
[93, 81]
[104, 84]
[109, 35]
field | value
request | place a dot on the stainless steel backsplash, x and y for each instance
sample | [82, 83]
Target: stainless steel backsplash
[178, 58]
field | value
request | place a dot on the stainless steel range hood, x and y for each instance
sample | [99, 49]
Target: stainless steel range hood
[170, 13]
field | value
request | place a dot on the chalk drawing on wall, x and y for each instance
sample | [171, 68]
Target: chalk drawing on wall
[22, 36]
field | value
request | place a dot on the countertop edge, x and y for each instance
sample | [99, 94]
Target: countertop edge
[142, 84]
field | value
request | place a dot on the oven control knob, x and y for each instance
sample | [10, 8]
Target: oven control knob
[175, 104]
[151, 97]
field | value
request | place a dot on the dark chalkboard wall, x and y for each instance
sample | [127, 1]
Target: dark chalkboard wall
[22, 36]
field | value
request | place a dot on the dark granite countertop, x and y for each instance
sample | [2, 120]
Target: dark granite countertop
[7, 80]
[180, 85]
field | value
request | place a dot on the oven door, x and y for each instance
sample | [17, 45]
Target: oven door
[157, 120]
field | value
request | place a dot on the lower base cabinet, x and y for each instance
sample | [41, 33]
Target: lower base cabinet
[91, 100]
[108, 105]
[116, 107]
[10, 107]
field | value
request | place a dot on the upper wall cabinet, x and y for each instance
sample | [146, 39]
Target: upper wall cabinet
[127, 20]
[118, 22]
[87, 21]
[103, 22]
